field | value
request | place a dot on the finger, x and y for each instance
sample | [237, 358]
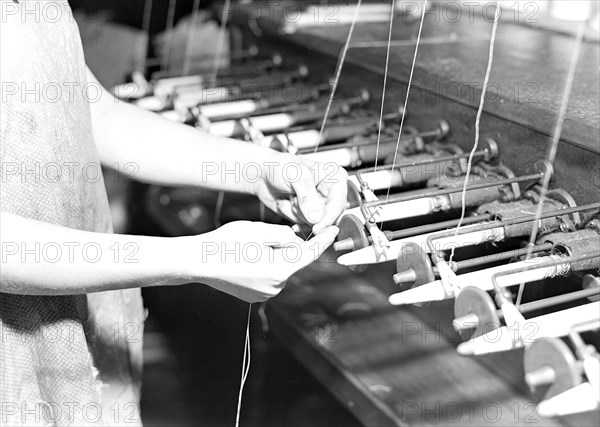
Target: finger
[275, 235]
[285, 208]
[311, 250]
[337, 198]
[289, 210]
[311, 204]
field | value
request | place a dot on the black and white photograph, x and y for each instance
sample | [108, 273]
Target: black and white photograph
[299, 213]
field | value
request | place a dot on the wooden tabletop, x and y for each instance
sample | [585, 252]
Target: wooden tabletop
[386, 364]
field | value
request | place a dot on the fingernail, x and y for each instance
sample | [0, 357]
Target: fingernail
[314, 215]
[319, 228]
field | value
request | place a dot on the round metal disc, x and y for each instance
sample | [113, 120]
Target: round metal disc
[491, 147]
[472, 300]
[351, 227]
[412, 256]
[566, 199]
[354, 199]
[555, 354]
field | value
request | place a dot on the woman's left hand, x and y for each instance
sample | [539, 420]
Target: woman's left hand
[302, 190]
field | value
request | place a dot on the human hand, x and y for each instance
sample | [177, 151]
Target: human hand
[251, 260]
[302, 190]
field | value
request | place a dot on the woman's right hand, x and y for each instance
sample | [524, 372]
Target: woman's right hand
[251, 260]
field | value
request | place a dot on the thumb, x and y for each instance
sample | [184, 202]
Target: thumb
[309, 200]
[312, 249]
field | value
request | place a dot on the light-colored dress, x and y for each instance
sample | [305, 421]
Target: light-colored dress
[65, 360]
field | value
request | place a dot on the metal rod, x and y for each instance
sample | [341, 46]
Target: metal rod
[563, 260]
[546, 303]
[326, 148]
[287, 108]
[314, 109]
[409, 274]
[428, 228]
[248, 70]
[509, 222]
[555, 300]
[444, 192]
[559, 299]
[235, 55]
[432, 160]
[475, 262]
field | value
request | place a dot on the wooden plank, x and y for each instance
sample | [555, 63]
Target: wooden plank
[384, 363]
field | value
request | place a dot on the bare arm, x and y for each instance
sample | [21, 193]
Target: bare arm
[45, 259]
[243, 259]
[170, 153]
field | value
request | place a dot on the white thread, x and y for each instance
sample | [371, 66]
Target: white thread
[245, 367]
[168, 35]
[412, 70]
[554, 147]
[190, 41]
[486, 80]
[218, 51]
[385, 73]
[338, 73]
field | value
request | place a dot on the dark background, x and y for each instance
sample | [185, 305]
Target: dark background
[130, 12]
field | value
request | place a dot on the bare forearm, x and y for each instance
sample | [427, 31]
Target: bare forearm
[44, 259]
[153, 149]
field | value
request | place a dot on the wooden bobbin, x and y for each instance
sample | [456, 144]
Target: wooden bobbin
[550, 368]
[475, 313]
[413, 267]
[352, 229]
